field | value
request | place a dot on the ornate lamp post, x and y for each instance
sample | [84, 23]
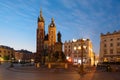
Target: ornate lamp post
[0, 59]
[44, 56]
[94, 59]
[81, 49]
[12, 59]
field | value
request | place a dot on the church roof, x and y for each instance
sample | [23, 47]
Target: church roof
[46, 37]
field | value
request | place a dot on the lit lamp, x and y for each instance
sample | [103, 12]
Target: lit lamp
[81, 48]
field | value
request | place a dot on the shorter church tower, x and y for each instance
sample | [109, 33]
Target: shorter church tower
[52, 35]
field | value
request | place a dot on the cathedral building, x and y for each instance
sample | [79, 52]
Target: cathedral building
[46, 42]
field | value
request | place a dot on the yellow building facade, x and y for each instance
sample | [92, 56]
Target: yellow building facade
[6, 52]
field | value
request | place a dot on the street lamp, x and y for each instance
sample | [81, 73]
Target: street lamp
[94, 59]
[44, 56]
[81, 49]
[0, 59]
[12, 59]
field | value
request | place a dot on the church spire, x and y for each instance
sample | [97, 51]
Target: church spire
[52, 20]
[52, 24]
[59, 37]
[40, 18]
[40, 12]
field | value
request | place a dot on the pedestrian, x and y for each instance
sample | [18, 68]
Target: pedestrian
[108, 68]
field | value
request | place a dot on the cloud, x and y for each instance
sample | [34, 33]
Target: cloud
[69, 3]
[75, 18]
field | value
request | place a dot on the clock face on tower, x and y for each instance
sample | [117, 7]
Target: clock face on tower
[51, 24]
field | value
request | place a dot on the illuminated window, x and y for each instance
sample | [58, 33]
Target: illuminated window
[105, 60]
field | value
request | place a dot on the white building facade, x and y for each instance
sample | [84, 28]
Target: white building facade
[110, 47]
[72, 49]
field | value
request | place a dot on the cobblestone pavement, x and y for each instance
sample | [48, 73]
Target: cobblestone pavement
[32, 73]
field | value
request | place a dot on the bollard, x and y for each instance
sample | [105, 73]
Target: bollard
[49, 65]
[38, 65]
[78, 65]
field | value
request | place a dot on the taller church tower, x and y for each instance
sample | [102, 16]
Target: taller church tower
[40, 34]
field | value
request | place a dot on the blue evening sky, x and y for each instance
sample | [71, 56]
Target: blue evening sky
[73, 18]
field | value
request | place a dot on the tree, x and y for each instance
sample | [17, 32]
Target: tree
[56, 56]
[63, 56]
[6, 57]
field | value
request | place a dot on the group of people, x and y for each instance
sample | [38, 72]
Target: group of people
[104, 67]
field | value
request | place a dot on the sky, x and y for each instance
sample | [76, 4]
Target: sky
[75, 19]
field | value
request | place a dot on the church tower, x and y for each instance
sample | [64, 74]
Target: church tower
[40, 34]
[52, 35]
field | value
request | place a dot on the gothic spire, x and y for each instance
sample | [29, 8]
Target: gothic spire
[52, 20]
[59, 36]
[40, 18]
[40, 12]
[52, 24]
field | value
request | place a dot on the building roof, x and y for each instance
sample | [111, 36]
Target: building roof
[23, 51]
[6, 47]
[108, 33]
